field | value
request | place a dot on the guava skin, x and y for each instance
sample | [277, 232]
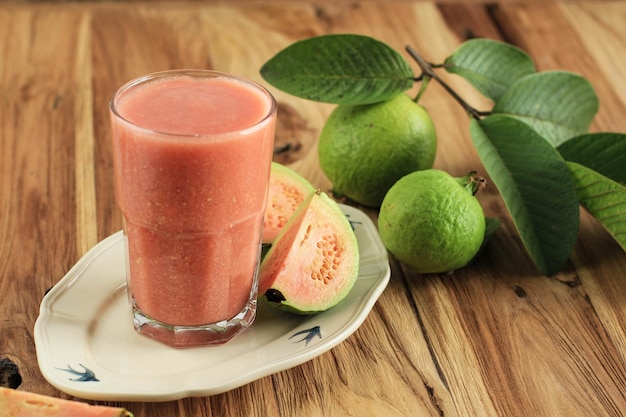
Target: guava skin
[431, 222]
[365, 149]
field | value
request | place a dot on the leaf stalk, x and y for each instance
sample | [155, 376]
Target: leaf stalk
[429, 73]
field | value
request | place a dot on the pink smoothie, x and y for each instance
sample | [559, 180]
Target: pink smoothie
[192, 187]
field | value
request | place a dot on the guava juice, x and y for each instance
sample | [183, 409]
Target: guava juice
[192, 153]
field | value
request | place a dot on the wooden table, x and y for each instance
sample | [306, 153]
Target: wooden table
[494, 339]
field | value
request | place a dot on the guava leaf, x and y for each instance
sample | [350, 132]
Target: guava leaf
[490, 66]
[339, 69]
[557, 104]
[491, 226]
[603, 152]
[603, 198]
[535, 184]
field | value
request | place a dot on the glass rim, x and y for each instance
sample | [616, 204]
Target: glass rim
[195, 73]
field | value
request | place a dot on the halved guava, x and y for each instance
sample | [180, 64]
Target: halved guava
[287, 189]
[28, 404]
[313, 262]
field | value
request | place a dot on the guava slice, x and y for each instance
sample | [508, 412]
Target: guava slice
[28, 404]
[287, 189]
[313, 262]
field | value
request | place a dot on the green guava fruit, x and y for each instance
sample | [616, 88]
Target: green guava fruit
[314, 261]
[287, 189]
[431, 221]
[365, 149]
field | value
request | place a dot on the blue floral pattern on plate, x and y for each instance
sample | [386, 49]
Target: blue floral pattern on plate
[310, 334]
[86, 375]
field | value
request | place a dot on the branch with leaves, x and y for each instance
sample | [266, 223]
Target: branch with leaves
[534, 141]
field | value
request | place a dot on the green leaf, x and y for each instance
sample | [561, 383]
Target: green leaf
[490, 66]
[603, 198]
[557, 104]
[339, 69]
[604, 153]
[535, 184]
[491, 226]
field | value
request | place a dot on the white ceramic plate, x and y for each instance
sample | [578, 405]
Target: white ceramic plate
[87, 347]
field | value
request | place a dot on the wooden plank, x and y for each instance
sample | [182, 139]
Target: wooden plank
[37, 198]
[493, 339]
[599, 266]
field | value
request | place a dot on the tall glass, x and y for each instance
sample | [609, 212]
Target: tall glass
[192, 155]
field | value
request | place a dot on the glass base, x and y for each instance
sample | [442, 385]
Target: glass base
[192, 336]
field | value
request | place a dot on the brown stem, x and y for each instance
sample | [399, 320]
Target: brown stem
[427, 71]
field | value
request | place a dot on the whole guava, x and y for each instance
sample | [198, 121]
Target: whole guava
[365, 149]
[432, 222]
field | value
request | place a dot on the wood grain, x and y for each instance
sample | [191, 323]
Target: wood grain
[493, 339]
